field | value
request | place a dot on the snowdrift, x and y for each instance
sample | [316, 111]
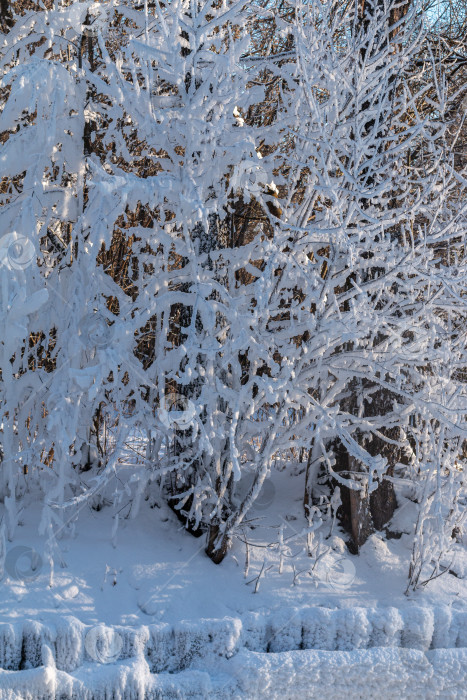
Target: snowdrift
[389, 674]
[173, 648]
[299, 653]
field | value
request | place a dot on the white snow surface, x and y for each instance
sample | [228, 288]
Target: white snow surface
[388, 674]
[151, 617]
[147, 615]
[152, 571]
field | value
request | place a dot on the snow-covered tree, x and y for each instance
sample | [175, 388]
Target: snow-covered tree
[53, 353]
[238, 247]
[372, 205]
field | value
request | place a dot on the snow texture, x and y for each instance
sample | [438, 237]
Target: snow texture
[175, 648]
[384, 673]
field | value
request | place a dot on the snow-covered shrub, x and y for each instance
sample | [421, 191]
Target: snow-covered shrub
[296, 281]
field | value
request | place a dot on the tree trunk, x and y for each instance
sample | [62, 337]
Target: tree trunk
[217, 544]
[361, 521]
[6, 16]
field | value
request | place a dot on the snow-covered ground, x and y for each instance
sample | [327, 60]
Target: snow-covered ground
[145, 610]
[389, 674]
[154, 571]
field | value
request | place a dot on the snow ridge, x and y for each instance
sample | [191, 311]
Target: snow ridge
[174, 648]
[388, 674]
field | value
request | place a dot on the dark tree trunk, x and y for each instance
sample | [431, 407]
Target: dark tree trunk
[217, 545]
[6, 16]
[362, 516]
[361, 520]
